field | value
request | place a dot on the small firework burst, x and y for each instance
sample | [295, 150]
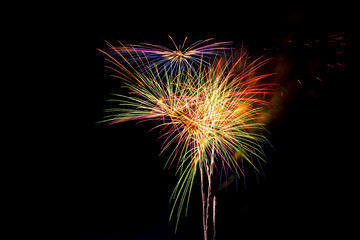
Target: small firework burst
[176, 60]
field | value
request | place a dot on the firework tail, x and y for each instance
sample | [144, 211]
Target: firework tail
[203, 202]
[208, 199]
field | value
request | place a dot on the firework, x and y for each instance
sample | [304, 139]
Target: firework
[176, 60]
[210, 117]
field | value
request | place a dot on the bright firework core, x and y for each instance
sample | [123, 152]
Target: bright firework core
[179, 53]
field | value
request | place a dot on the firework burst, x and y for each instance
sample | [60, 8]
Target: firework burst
[210, 117]
[176, 60]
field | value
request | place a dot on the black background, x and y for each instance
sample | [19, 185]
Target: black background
[92, 181]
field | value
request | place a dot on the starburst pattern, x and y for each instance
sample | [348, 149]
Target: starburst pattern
[210, 117]
[176, 60]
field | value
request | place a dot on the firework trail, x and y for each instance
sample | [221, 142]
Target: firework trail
[211, 116]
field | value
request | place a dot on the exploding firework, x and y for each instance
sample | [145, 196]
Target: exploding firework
[176, 60]
[210, 117]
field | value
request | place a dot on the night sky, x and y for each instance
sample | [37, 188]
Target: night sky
[98, 182]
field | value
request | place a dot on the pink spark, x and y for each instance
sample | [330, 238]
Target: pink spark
[299, 82]
[340, 64]
[319, 79]
[339, 53]
[331, 65]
